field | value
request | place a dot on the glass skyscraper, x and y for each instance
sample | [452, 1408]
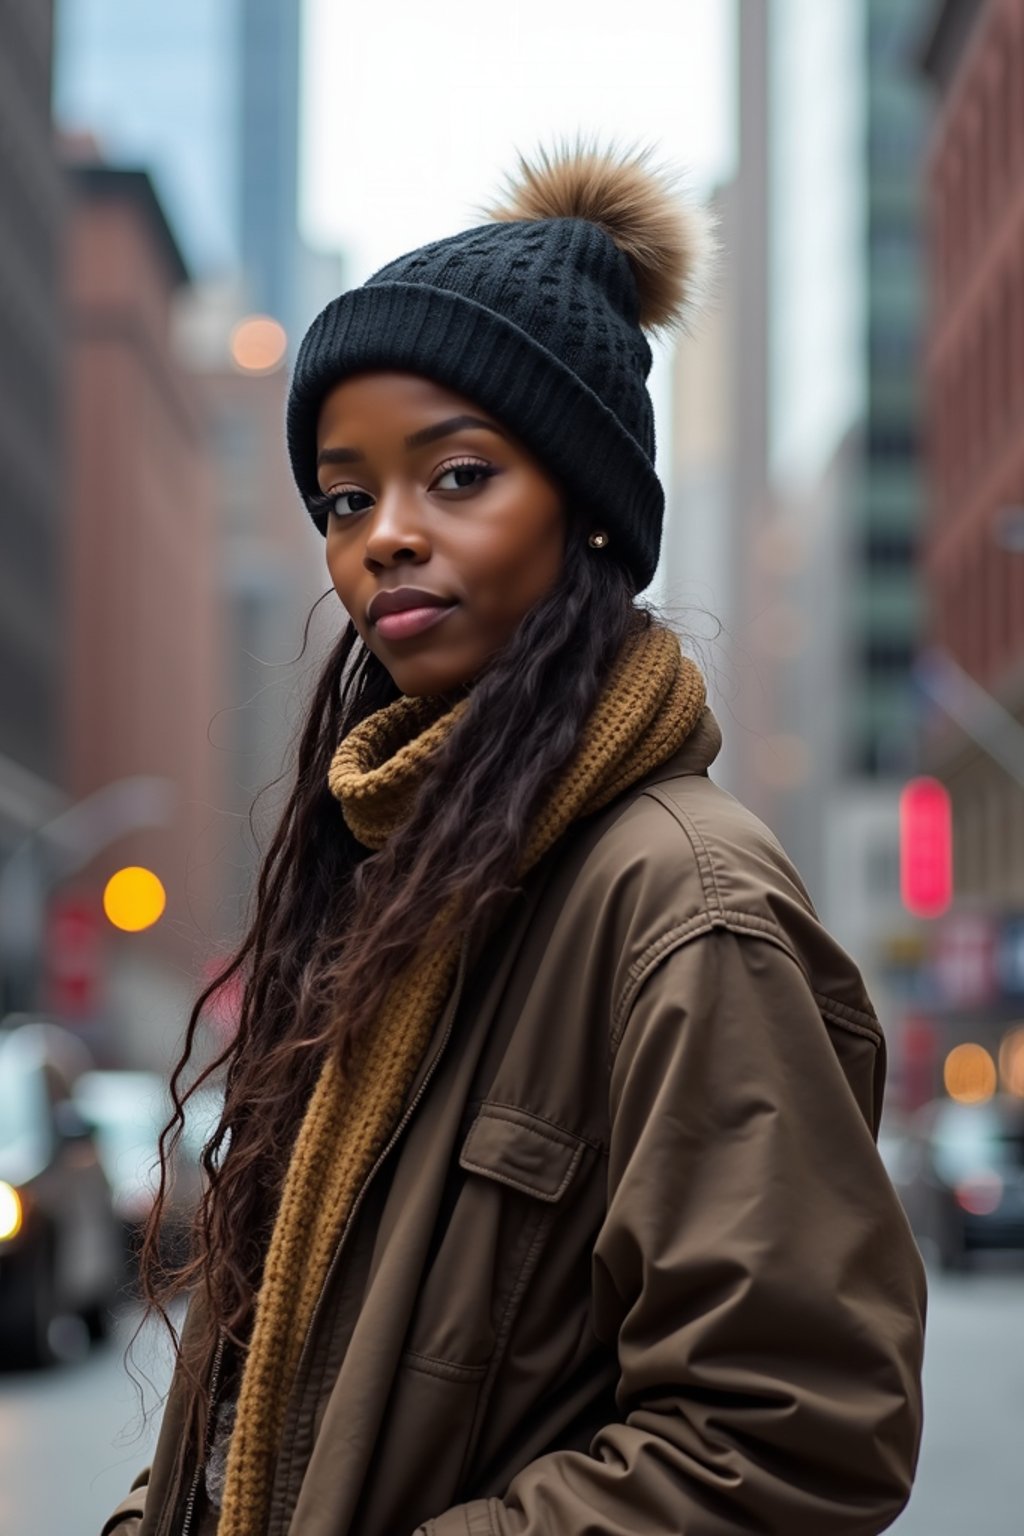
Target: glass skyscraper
[206, 97]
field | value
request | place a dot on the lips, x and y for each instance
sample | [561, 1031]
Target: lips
[403, 598]
[407, 611]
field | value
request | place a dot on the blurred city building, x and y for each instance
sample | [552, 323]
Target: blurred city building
[815, 462]
[32, 611]
[973, 56]
[140, 541]
[192, 114]
[271, 571]
[206, 97]
[33, 619]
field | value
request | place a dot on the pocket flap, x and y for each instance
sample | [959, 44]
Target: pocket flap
[519, 1149]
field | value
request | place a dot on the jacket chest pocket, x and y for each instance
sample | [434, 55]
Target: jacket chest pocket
[514, 1172]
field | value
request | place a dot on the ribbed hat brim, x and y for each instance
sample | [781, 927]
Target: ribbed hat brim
[485, 356]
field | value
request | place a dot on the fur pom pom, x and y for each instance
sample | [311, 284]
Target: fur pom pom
[669, 242]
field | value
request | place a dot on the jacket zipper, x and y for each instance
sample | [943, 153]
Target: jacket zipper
[190, 1503]
[410, 1109]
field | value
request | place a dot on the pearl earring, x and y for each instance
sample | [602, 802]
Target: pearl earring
[598, 540]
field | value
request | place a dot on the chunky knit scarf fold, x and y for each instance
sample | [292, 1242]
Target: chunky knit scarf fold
[651, 703]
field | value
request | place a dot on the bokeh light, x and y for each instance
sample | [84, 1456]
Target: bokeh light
[1011, 1061]
[969, 1074]
[981, 1194]
[10, 1211]
[258, 344]
[134, 898]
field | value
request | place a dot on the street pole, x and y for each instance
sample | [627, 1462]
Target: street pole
[973, 709]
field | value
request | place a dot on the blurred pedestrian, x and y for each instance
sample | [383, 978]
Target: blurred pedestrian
[545, 1197]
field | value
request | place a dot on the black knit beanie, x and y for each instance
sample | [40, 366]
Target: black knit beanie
[538, 316]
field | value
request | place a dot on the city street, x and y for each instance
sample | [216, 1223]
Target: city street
[70, 1441]
[70, 1444]
[971, 1475]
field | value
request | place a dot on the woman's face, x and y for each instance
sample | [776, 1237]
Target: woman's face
[442, 530]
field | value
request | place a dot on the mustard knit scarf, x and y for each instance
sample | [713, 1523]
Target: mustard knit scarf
[653, 700]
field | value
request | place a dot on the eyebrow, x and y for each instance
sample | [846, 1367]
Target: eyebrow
[414, 440]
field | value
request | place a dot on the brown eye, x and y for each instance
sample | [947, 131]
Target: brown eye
[357, 501]
[463, 475]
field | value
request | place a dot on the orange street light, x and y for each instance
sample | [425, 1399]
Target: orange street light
[134, 898]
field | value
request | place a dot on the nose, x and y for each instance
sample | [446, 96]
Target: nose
[396, 534]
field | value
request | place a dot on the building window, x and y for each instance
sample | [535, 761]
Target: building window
[1007, 560]
[891, 346]
[984, 632]
[888, 656]
[1017, 320]
[889, 548]
[1000, 594]
[953, 220]
[974, 841]
[976, 396]
[960, 426]
[947, 621]
[893, 246]
[892, 442]
[975, 181]
[1016, 880]
[972, 618]
[993, 404]
[1000, 359]
[997, 117]
[1010, 327]
[952, 620]
[981, 167]
[1015, 603]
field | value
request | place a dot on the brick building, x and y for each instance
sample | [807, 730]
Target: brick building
[974, 376]
[141, 560]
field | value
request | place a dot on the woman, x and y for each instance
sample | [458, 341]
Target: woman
[545, 1197]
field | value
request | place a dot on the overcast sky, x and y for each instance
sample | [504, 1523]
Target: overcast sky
[412, 113]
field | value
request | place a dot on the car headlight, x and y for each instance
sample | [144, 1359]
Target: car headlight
[10, 1212]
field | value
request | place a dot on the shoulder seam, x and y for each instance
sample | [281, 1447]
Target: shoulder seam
[702, 853]
[750, 923]
[753, 925]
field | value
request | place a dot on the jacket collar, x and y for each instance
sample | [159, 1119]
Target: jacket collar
[695, 756]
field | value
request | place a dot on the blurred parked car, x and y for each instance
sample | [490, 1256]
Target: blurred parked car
[127, 1111]
[961, 1177]
[60, 1249]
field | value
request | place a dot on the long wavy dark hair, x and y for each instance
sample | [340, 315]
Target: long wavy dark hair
[332, 923]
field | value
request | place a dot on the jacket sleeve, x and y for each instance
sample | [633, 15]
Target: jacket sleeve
[126, 1519]
[754, 1272]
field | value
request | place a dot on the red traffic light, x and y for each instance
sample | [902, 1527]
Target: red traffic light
[926, 847]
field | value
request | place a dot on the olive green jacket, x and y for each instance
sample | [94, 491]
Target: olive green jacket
[631, 1264]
